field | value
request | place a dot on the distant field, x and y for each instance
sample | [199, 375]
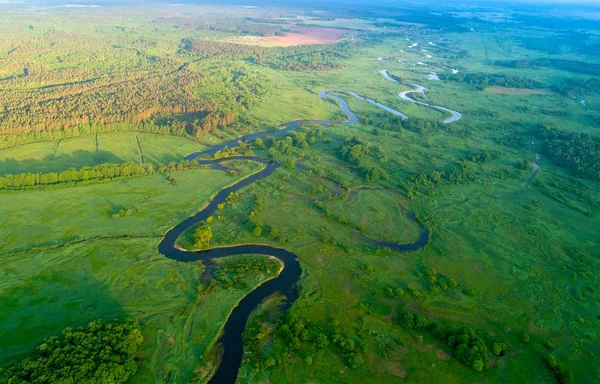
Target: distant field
[297, 36]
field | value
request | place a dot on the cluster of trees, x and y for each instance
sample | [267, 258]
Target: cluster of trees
[232, 90]
[105, 171]
[558, 369]
[296, 332]
[299, 58]
[396, 124]
[354, 150]
[132, 97]
[460, 172]
[576, 151]
[575, 66]
[305, 58]
[296, 142]
[234, 270]
[576, 87]
[122, 213]
[97, 353]
[203, 235]
[210, 48]
[468, 346]
[438, 282]
[482, 80]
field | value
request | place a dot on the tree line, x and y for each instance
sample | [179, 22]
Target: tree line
[483, 80]
[575, 66]
[295, 333]
[237, 26]
[305, 58]
[579, 152]
[469, 347]
[99, 172]
[578, 87]
[96, 353]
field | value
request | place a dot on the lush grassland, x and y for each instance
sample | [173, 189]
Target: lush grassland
[513, 250]
[46, 288]
[159, 149]
[47, 291]
[113, 147]
[72, 214]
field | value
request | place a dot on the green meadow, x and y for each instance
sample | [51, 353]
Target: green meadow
[513, 224]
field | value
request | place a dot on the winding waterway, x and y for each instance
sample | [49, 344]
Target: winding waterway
[286, 280]
[455, 115]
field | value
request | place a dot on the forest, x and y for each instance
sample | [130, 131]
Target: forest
[575, 66]
[578, 152]
[481, 81]
[95, 353]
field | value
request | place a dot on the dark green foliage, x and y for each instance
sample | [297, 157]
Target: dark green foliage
[470, 348]
[305, 58]
[574, 66]
[482, 80]
[96, 353]
[578, 152]
[96, 173]
[499, 348]
[374, 174]
[209, 48]
[558, 369]
[407, 320]
[355, 150]
[578, 87]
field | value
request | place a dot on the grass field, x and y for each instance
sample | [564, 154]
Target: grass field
[513, 250]
[50, 290]
[113, 147]
[66, 215]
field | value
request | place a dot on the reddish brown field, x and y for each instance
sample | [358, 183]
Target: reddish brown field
[303, 36]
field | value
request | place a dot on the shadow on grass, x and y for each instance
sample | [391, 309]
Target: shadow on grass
[41, 298]
[52, 163]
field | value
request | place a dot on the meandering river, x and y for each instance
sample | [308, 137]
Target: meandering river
[455, 115]
[286, 280]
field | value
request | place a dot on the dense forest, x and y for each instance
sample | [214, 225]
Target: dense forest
[300, 58]
[575, 66]
[482, 80]
[129, 97]
[96, 353]
[578, 152]
[245, 26]
[578, 87]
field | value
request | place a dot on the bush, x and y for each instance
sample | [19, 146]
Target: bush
[408, 320]
[558, 370]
